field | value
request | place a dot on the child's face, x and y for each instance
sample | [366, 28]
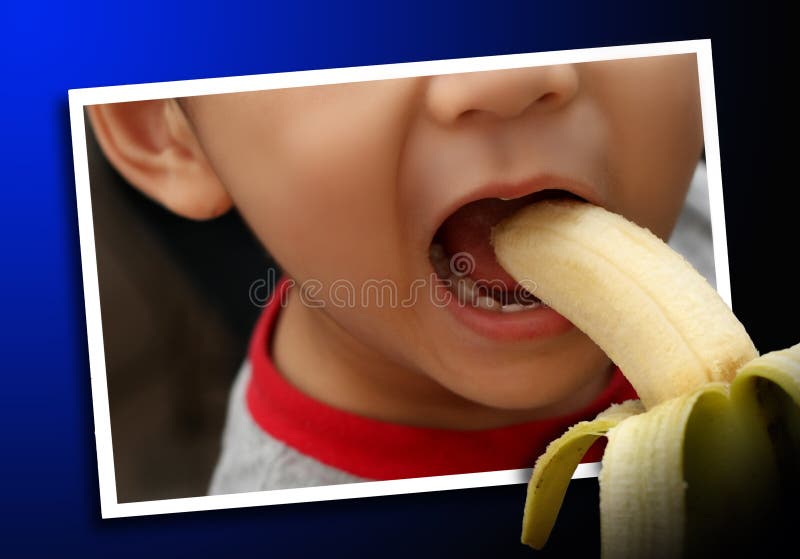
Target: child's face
[351, 183]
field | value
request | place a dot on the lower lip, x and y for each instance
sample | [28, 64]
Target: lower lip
[541, 322]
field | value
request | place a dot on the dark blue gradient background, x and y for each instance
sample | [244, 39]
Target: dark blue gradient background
[48, 469]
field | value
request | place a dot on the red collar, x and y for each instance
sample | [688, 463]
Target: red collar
[379, 450]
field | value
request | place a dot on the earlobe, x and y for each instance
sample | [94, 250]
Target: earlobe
[152, 144]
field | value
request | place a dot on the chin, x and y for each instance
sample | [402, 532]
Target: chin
[555, 376]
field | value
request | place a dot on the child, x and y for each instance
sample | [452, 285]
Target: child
[378, 358]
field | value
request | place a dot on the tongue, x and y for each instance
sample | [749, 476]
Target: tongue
[468, 230]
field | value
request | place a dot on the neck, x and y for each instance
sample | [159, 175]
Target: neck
[327, 363]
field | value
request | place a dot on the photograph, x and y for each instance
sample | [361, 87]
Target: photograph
[298, 286]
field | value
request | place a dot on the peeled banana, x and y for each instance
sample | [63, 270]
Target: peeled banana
[714, 442]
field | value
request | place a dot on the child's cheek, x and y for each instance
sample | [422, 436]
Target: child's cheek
[324, 198]
[656, 137]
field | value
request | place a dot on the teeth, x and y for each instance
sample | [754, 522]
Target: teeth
[465, 287]
[487, 303]
[516, 307]
[465, 290]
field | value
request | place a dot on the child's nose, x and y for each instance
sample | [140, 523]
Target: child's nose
[501, 93]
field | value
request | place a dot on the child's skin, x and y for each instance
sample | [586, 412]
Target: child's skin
[350, 182]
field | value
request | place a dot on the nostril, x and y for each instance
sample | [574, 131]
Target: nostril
[547, 98]
[469, 114]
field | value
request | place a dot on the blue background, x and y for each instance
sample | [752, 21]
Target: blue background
[48, 468]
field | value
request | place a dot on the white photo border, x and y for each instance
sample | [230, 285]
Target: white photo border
[80, 98]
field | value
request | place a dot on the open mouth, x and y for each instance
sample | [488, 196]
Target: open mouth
[463, 258]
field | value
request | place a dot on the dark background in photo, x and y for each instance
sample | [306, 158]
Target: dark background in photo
[177, 312]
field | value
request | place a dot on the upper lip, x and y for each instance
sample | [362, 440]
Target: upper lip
[518, 189]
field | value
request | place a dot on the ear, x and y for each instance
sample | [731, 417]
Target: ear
[153, 145]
